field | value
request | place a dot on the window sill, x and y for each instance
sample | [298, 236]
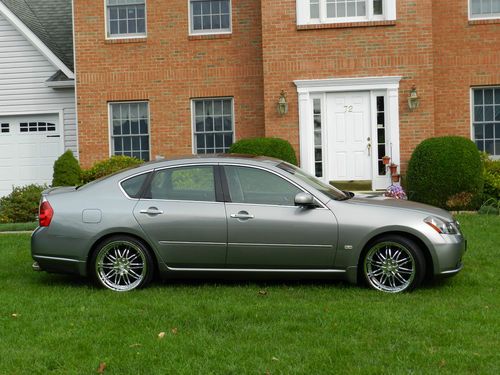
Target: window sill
[489, 21]
[139, 39]
[344, 25]
[209, 36]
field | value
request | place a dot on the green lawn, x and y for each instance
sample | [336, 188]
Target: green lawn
[51, 324]
[9, 227]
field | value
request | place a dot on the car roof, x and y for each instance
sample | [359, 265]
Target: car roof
[216, 158]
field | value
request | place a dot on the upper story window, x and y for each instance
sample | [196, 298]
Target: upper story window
[210, 16]
[125, 18]
[484, 8]
[338, 11]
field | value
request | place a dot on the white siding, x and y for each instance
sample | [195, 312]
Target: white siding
[23, 72]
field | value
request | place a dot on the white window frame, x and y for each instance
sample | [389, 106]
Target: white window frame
[125, 36]
[193, 32]
[472, 105]
[304, 15]
[110, 123]
[193, 120]
[481, 16]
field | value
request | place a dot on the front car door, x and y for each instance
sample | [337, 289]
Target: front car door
[267, 230]
[183, 217]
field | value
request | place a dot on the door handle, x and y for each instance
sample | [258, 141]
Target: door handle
[242, 215]
[369, 146]
[153, 211]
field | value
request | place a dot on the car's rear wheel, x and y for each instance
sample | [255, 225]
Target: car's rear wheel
[122, 263]
[393, 264]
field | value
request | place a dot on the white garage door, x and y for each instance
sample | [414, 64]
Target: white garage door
[29, 145]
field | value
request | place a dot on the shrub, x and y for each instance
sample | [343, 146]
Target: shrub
[67, 171]
[109, 166]
[273, 147]
[446, 169]
[21, 206]
[491, 179]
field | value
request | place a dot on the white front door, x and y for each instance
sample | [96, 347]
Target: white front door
[29, 145]
[348, 135]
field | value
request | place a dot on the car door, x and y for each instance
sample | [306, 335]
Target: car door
[267, 230]
[181, 215]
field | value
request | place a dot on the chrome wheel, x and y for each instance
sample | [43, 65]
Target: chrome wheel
[121, 265]
[390, 267]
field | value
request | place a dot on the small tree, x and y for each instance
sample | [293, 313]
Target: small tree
[67, 171]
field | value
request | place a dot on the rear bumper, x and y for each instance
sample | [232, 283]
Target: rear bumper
[60, 265]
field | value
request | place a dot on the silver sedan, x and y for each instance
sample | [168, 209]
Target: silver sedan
[231, 215]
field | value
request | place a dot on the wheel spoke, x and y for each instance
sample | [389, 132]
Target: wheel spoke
[400, 278]
[134, 274]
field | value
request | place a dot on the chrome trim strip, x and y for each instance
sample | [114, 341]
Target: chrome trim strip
[191, 243]
[58, 259]
[278, 245]
[452, 271]
[289, 270]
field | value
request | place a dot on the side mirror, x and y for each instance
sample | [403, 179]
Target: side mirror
[304, 199]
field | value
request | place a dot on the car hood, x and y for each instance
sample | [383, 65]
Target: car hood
[401, 205]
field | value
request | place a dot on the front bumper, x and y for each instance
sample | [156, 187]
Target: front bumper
[449, 255]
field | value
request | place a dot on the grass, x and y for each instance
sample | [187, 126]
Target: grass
[16, 227]
[63, 325]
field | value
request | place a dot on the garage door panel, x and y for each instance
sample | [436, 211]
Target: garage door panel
[27, 154]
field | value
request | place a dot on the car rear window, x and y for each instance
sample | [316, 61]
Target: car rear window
[133, 185]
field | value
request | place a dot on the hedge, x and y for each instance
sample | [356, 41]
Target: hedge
[273, 147]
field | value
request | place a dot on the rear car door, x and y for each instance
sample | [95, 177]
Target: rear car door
[182, 215]
[267, 230]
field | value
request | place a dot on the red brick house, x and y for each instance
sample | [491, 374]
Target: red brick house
[175, 77]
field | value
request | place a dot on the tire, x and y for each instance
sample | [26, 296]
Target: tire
[393, 264]
[122, 263]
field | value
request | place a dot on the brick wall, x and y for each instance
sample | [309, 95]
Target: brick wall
[466, 54]
[168, 69]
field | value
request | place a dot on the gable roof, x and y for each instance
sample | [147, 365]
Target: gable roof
[50, 21]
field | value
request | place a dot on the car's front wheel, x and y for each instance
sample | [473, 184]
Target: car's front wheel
[393, 264]
[122, 263]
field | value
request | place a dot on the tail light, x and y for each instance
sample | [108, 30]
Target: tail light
[45, 214]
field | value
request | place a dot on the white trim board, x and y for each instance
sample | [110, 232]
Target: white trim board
[35, 41]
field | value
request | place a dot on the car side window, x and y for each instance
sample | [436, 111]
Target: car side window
[133, 185]
[194, 183]
[257, 186]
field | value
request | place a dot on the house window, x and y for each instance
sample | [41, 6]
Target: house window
[126, 18]
[130, 129]
[336, 11]
[484, 8]
[213, 125]
[486, 119]
[210, 16]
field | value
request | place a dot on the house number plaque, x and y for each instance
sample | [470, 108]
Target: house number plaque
[348, 108]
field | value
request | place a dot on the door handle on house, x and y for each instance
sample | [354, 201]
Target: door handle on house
[242, 215]
[153, 211]
[369, 146]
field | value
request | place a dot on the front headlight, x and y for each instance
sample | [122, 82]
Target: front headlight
[441, 226]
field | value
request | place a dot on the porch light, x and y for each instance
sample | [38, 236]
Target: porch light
[282, 106]
[413, 99]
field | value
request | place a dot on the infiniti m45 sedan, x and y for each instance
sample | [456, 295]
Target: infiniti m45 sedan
[234, 215]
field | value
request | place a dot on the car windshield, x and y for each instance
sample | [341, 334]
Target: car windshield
[316, 183]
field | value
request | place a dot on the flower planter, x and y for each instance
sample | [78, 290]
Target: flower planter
[394, 169]
[386, 160]
[395, 177]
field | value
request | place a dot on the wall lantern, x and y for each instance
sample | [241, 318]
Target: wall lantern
[282, 106]
[413, 99]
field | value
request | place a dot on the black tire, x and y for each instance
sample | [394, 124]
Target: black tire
[122, 263]
[393, 264]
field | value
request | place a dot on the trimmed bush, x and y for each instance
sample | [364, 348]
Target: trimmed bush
[273, 147]
[491, 179]
[109, 166]
[21, 206]
[67, 171]
[446, 170]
